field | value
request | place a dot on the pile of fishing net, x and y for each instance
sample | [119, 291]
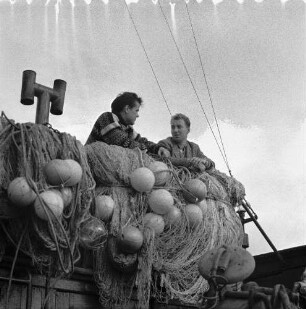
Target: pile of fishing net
[166, 266]
[25, 149]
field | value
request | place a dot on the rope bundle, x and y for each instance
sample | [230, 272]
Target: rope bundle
[25, 149]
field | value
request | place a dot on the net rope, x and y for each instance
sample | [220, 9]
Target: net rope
[166, 267]
[25, 149]
[167, 264]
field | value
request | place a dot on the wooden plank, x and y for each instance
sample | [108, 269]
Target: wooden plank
[52, 300]
[270, 271]
[38, 281]
[14, 297]
[37, 298]
[131, 305]
[23, 296]
[171, 306]
[79, 301]
[66, 285]
[62, 300]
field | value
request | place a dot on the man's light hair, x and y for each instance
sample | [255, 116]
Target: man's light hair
[183, 117]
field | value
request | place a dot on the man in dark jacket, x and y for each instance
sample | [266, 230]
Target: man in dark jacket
[116, 127]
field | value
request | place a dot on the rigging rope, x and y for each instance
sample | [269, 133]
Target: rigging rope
[192, 84]
[222, 151]
[144, 49]
[247, 205]
[208, 89]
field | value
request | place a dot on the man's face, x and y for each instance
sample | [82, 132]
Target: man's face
[179, 131]
[131, 114]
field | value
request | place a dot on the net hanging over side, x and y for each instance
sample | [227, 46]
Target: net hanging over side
[25, 150]
[166, 266]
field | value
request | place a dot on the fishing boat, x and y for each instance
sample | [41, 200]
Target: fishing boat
[57, 253]
[56, 256]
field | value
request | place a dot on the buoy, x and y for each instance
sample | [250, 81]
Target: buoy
[194, 190]
[240, 263]
[203, 206]
[56, 172]
[194, 215]
[67, 195]
[155, 222]
[93, 233]
[104, 207]
[63, 172]
[142, 179]
[76, 172]
[53, 204]
[173, 216]
[123, 262]
[161, 172]
[160, 201]
[20, 193]
[130, 240]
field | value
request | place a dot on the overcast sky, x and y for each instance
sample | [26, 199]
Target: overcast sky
[253, 54]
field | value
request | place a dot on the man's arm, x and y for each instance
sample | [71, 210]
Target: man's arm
[108, 130]
[200, 159]
[121, 138]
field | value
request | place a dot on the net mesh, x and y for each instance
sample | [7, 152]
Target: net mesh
[167, 263]
[25, 150]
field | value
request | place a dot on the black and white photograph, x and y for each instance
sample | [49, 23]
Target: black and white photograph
[152, 154]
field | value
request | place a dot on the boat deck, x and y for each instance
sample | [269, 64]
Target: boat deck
[28, 288]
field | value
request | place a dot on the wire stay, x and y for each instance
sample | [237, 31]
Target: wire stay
[147, 56]
[191, 82]
[208, 89]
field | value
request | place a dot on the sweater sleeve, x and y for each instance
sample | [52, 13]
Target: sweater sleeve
[166, 144]
[109, 131]
[150, 146]
[199, 154]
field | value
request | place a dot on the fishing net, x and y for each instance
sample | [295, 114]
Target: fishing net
[24, 150]
[167, 264]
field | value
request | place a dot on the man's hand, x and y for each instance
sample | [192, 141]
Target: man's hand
[163, 152]
[202, 164]
[198, 164]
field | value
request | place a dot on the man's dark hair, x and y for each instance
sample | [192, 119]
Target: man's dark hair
[183, 117]
[123, 99]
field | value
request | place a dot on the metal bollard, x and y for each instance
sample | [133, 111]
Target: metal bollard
[44, 94]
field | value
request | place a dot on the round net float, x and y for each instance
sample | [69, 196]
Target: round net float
[130, 240]
[20, 193]
[125, 263]
[173, 216]
[160, 201]
[63, 172]
[93, 233]
[67, 195]
[194, 190]
[203, 206]
[104, 207]
[51, 202]
[75, 174]
[142, 179]
[194, 215]
[161, 172]
[233, 264]
[155, 222]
